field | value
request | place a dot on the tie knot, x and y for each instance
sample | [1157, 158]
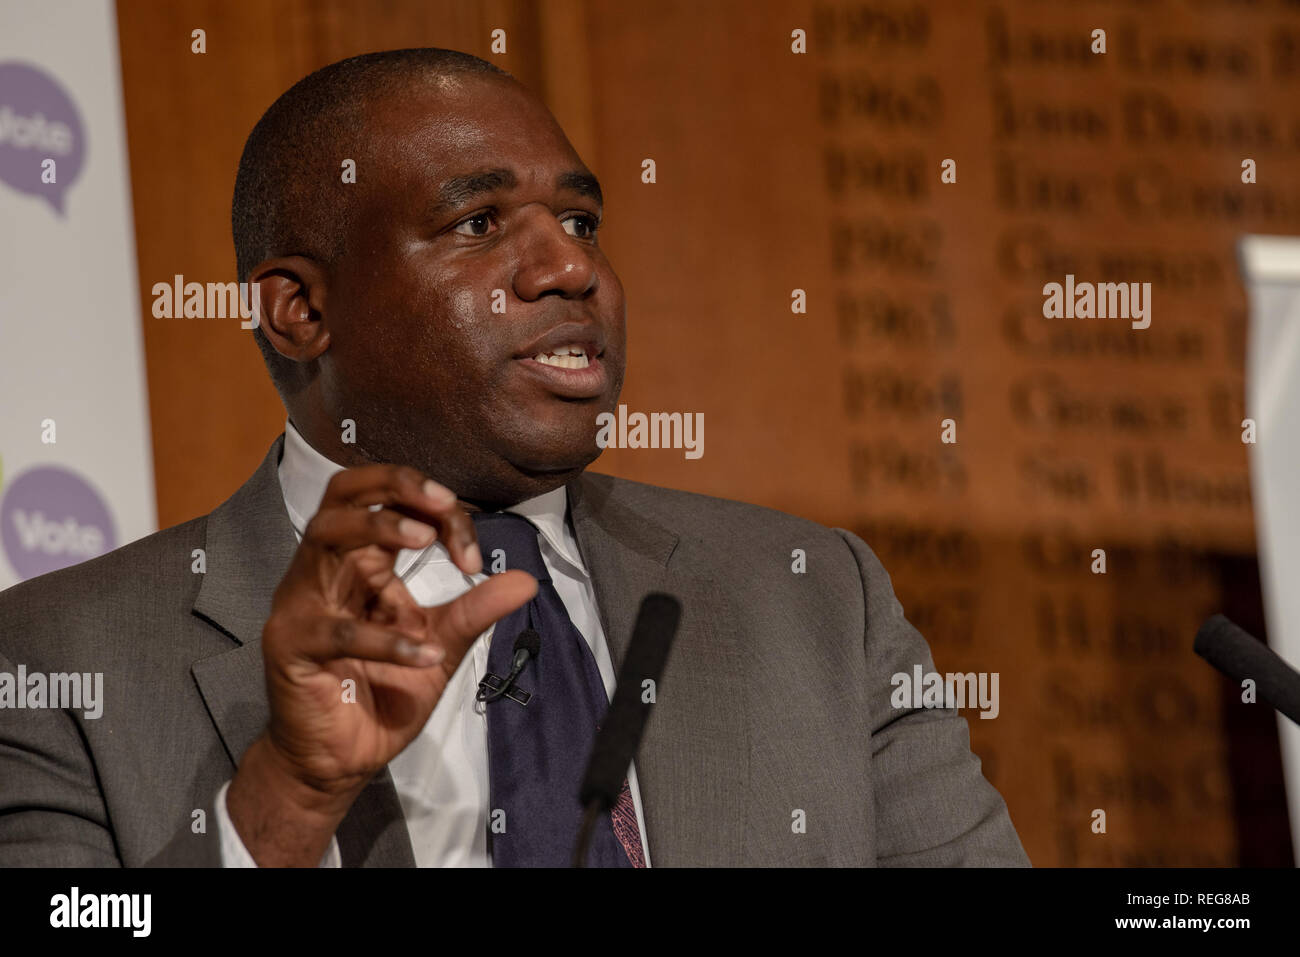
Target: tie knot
[508, 540]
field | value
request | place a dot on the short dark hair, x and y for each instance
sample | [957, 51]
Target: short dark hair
[289, 195]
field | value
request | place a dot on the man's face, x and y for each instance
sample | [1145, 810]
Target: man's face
[473, 251]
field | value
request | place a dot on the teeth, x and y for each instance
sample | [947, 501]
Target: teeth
[564, 357]
[564, 361]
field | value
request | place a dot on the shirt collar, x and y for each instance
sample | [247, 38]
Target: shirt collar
[304, 473]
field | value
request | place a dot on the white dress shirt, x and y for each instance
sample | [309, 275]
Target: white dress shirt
[442, 775]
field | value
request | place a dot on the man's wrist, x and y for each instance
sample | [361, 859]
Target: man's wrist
[282, 820]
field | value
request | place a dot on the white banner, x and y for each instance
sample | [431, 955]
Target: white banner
[76, 476]
[1270, 267]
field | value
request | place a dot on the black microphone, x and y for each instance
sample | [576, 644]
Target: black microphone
[527, 646]
[1240, 655]
[617, 742]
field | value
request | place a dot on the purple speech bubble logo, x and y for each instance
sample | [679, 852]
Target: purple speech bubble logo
[51, 518]
[38, 122]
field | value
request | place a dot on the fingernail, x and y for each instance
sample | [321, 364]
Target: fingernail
[429, 655]
[439, 493]
[422, 654]
[473, 558]
[417, 532]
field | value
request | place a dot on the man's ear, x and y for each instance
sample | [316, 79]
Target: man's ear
[291, 292]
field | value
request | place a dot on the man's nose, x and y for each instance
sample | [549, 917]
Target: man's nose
[553, 261]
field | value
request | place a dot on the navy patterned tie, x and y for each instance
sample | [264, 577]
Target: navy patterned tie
[538, 752]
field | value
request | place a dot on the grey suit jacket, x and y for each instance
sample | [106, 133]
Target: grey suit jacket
[772, 740]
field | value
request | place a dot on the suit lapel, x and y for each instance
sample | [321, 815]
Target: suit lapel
[693, 765]
[248, 547]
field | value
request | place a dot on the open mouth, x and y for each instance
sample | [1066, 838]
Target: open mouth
[569, 371]
[565, 357]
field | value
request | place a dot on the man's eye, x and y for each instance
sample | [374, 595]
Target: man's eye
[586, 226]
[473, 224]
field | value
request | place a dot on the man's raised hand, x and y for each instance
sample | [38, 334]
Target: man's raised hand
[341, 614]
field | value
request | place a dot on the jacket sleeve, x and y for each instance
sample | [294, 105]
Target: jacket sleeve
[933, 805]
[52, 812]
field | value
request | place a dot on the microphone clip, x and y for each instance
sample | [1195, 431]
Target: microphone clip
[526, 648]
[490, 688]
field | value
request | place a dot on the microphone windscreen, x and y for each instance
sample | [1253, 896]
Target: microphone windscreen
[617, 742]
[528, 640]
[1239, 655]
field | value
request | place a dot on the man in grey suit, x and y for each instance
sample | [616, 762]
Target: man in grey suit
[290, 680]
